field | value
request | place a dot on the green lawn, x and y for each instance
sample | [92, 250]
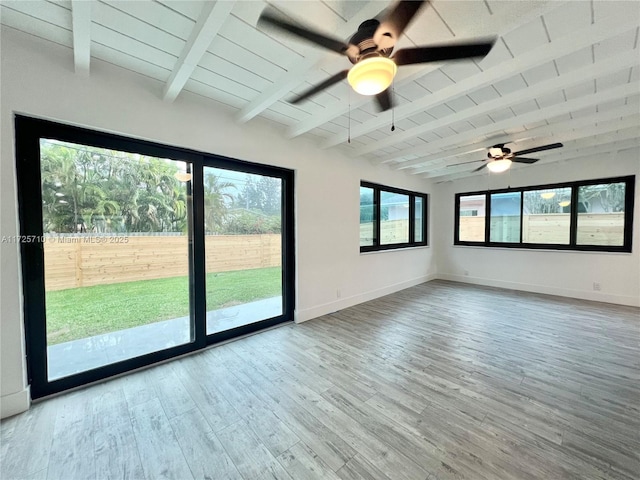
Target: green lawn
[87, 311]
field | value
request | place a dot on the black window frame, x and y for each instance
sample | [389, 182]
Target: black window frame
[626, 247]
[29, 131]
[377, 189]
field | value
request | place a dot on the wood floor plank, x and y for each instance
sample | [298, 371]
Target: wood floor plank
[273, 433]
[358, 468]
[438, 381]
[139, 387]
[41, 475]
[362, 437]
[302, 462]
[215, 408]
[205, 454]
[115, 454]
[160, 452]
[26, 441]
[251, 457]
[73, 447]
[174, 397]
[328, 443]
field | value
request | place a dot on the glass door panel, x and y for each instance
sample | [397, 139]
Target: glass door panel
[117, 255]
[243, 248]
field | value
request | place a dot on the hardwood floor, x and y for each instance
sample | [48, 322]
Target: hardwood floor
[439, 381]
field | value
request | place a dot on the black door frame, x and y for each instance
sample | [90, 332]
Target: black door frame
[29, 131]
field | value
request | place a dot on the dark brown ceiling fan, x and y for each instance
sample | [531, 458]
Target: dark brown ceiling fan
[369, 50]
[499, 157]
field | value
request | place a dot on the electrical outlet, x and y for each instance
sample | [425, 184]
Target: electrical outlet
[466, 273]
[338, 293]
[596, 286]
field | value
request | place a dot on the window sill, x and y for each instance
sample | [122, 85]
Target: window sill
[403, 249]
[556, 250]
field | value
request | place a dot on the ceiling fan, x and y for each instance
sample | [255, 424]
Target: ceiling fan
[369, 50]
[500, 157]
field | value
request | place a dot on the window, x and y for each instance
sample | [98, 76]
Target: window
[546, 216]
[418, 227]
[594, 215]
[391, 218]
[137, 252]
[367, 217]
[601, 217]
[394, 221]
[505, 217]
[472, 208]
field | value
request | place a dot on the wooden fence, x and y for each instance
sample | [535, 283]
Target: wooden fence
[391, 231]
[82, 261]
[593, 228]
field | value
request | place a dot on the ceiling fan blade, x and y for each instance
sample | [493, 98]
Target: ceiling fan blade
[319, 87]
[480, 167]
[524, 160]
[539, 149]
[384, 101]
[437, 53]
[270, 19]
[464, 163]
[395, 21]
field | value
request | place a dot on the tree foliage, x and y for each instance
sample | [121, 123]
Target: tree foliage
[262, 195]
[591, 198]
[87, 189]
[98, 190]
[216, 199]
[367, 210]
[246, 222]
[609, 197]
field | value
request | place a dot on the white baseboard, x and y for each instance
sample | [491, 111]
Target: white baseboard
[562, 292]
[324, 309]
[15, 403]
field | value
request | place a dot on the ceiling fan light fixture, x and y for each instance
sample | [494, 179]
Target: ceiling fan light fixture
[372, 75]
[182, 176]
[498, 166]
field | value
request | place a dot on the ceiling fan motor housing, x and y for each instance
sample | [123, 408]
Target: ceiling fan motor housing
[498, 151]
[363, 39]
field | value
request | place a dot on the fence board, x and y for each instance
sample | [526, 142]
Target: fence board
[77, 261]
[593, 228]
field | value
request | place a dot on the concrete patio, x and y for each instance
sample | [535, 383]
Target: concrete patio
[76, 356]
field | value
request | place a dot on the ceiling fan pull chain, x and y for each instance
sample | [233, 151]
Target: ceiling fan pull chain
[393, 108]
[349, 121]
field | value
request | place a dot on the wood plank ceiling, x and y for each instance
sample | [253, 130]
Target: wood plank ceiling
[559, 72]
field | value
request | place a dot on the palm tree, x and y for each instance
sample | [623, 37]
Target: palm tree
[59, 188]
[215, 202]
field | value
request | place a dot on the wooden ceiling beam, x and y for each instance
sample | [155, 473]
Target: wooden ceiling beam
[584, 135]
[81, 26]
[614, 93]
[575, 77]
[597, 146]
[603, 29]
[291, 79]
[503, 18]
[462, 154]
[211, 18]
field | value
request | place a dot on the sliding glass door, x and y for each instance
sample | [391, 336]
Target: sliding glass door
[116, 239]
[243, 246]
[135, 252]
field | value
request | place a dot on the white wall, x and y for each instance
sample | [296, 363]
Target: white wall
[37, 79]
[545, 271]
